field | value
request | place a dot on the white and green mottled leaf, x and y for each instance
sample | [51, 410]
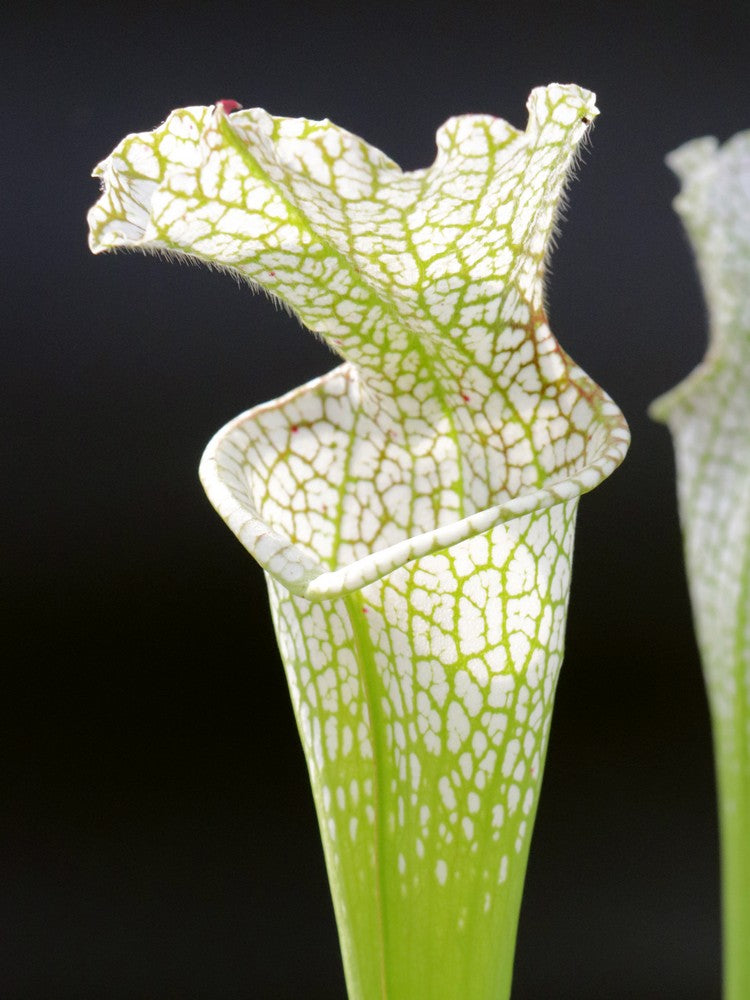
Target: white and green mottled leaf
[414, 508]
[709, 416]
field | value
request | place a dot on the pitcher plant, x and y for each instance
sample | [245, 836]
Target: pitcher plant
[414, 508]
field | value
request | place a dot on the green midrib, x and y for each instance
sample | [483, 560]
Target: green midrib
[363, 653]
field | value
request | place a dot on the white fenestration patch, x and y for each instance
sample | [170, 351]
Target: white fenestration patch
[441, 872]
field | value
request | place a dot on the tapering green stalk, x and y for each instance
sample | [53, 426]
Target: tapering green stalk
[413, 509]
[734, 817]
[709, 416]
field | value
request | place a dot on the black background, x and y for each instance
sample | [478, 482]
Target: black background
[158, 837]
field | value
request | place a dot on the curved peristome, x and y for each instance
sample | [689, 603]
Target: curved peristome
[327, 497]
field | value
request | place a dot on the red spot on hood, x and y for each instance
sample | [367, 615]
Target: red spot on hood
[229, 106]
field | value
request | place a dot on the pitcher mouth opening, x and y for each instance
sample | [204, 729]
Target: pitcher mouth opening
[230, 480]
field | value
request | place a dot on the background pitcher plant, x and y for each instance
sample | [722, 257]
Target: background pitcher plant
[414, 508]
[709, 415]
